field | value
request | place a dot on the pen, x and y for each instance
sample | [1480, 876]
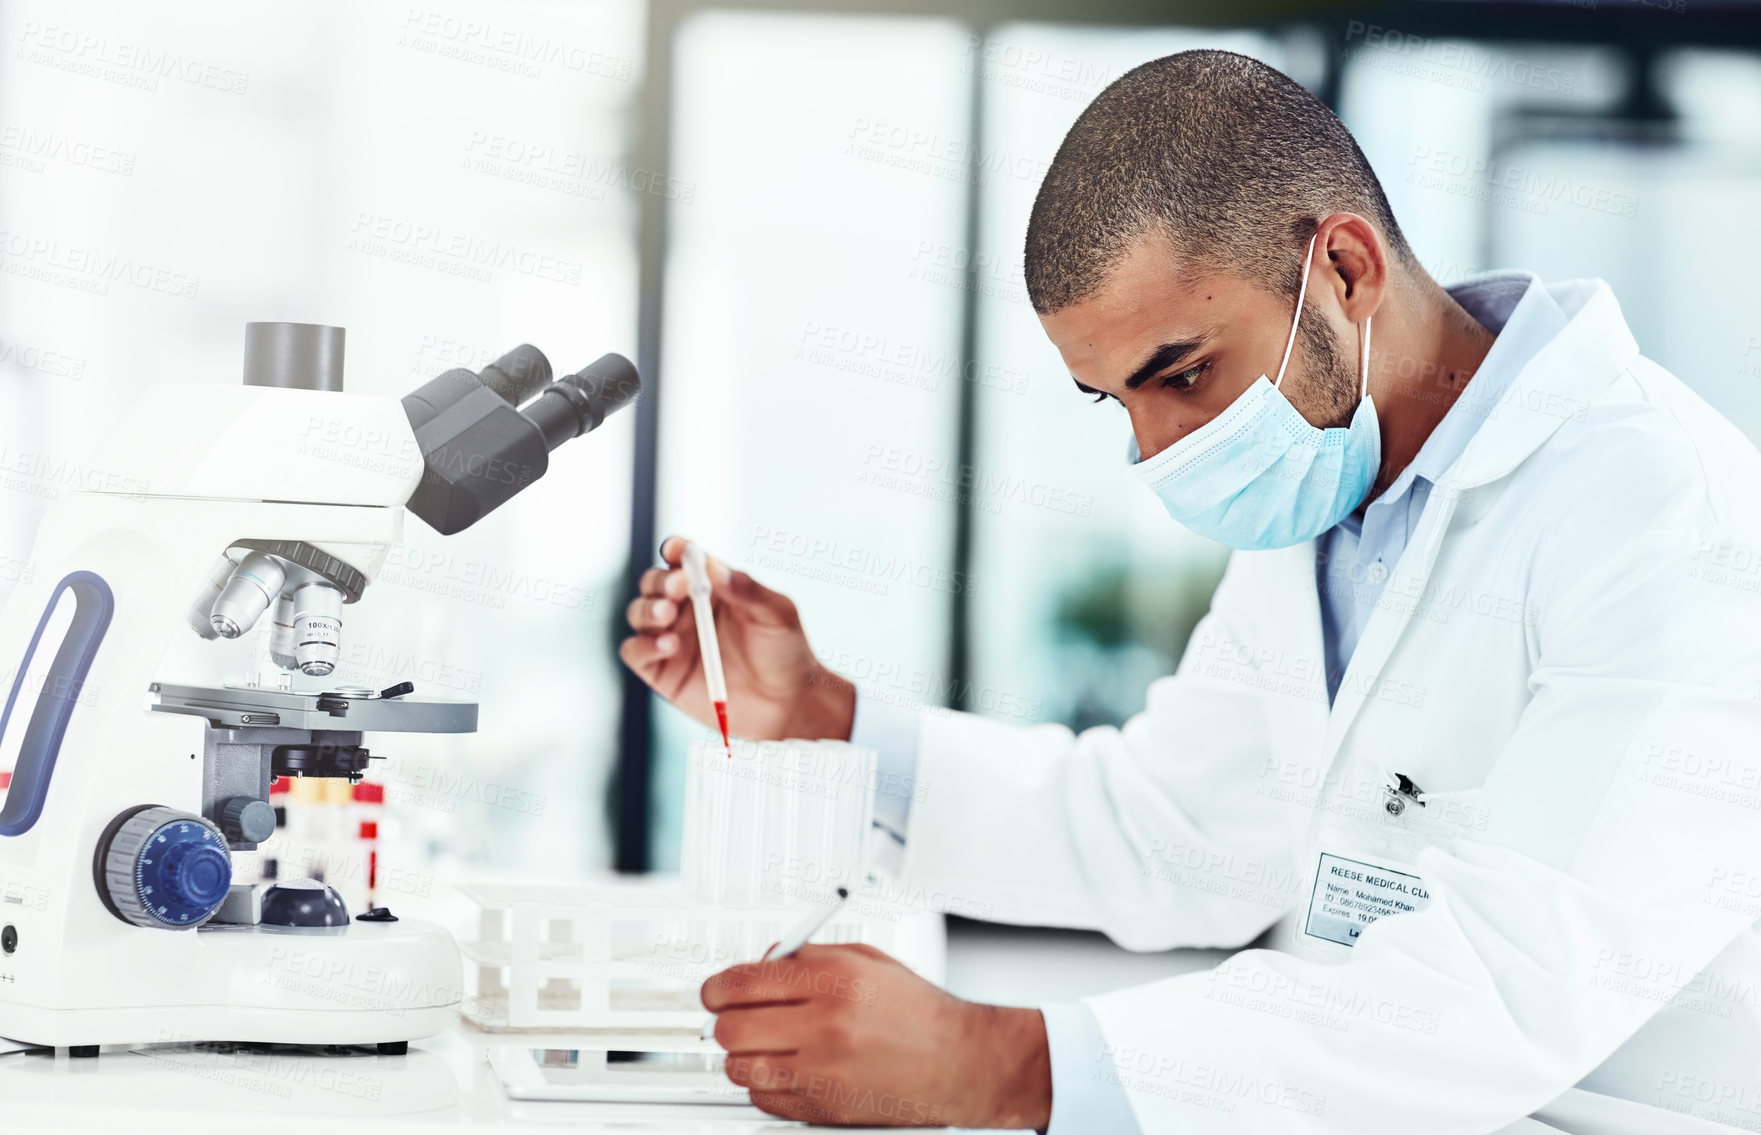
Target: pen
[792, 941]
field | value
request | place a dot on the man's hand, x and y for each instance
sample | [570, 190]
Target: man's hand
[847, 1035]
[777, 688]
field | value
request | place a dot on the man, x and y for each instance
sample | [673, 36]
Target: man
[1470, 733]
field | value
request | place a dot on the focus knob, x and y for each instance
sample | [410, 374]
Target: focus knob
[248, 819]
[163, 868]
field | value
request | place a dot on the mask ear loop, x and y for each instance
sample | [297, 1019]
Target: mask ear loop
[1364, 362]
[1302, 291]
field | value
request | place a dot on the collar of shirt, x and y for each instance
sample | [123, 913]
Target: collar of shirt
[1353, 559]
[1516, 308]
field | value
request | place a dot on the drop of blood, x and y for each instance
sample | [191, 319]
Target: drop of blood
[721, 715]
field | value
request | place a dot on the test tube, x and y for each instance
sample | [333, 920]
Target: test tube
[780, 812]
[870, 785]
[691, 840]
[818, 791]
[848, 772]
[708, 647]
[718, 801]
[745, 823]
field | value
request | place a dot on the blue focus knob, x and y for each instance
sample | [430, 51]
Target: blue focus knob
[164, 868]
[190, 871]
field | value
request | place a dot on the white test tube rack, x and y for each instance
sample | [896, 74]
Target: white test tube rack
[618, 955]
[770, 833]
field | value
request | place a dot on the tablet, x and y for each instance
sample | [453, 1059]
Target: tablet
[615, 1075]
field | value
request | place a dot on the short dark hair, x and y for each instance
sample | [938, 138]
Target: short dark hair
[1232, 160]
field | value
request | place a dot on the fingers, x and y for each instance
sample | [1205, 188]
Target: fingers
[755, 596]
[646, 614]
[789, 1094]
[663, 630]
[664, 583]
[787, 1105]
[672, 552]
[830, 955]
[646, 654]
[728, 583]
[771, 1074]
[763, 1029]
[809, 971]
[756, 983]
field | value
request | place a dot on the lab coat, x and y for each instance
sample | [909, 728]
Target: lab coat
[1565, 664]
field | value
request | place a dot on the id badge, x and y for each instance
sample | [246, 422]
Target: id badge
[1352, 890]
[1364, 865]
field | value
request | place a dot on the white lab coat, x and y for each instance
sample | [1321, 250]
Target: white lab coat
[1566, 659]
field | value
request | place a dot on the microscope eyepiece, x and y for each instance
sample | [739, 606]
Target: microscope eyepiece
[485, 437]
[579, 403]
[517, 375]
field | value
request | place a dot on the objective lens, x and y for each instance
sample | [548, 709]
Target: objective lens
[317, 628]
[253, 585]
[281, 636]
[203, 603]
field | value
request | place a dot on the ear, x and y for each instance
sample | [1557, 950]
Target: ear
[1357, 262]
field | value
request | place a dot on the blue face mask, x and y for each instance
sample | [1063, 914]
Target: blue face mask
[1258, 475]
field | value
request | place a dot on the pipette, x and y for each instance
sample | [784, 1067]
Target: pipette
[697, 585]
[792, 941]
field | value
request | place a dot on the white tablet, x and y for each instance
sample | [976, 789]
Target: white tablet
[615, 1075]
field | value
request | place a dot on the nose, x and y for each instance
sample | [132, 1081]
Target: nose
[1148, 446]
[1151, 437]
[1134, 448]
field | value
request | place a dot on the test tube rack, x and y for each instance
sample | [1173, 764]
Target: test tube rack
[628, 954]
[770, 832]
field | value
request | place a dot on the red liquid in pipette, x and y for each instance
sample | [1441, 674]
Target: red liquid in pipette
[721, 715]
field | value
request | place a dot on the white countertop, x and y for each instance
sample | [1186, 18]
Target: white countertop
[445, 1082]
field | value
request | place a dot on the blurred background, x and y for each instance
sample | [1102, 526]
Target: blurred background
[804, 221]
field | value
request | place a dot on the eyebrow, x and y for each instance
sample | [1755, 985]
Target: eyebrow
[1165, 356]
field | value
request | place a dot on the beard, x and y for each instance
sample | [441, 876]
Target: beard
[1329, 389]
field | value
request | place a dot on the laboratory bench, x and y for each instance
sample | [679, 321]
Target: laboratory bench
[445, 1082]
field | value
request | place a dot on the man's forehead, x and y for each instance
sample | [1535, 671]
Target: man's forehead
[1149, 294]
[1153, 268]
[1152, 300]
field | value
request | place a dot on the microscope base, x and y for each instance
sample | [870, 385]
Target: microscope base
[355, 984]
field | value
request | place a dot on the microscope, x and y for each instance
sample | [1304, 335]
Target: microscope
[222, 506]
